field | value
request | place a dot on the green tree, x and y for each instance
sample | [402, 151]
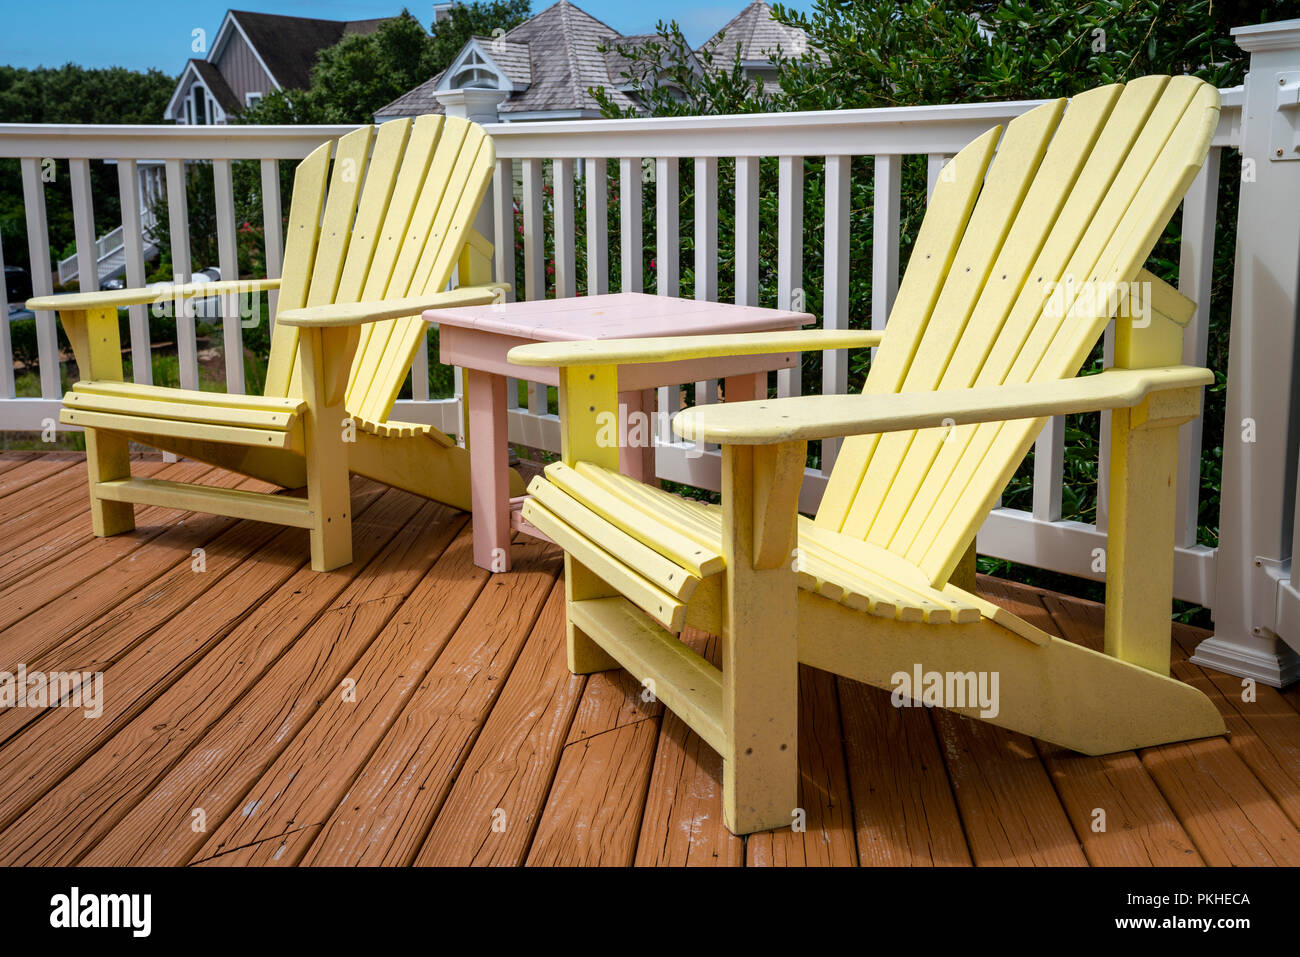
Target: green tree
[71, 94]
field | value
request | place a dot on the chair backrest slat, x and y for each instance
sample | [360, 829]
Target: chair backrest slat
[398, 210]
[1084, 215]
[299, 253]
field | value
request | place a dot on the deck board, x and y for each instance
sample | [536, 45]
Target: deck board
[465, 740]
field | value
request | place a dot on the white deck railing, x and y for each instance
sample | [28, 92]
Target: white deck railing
[533, 156]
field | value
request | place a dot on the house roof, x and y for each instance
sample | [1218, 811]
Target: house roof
[217, 86]
[563, 62]
[289, 45]
[756, 34]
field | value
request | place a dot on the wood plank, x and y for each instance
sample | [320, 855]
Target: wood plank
[1223, 807]
[903, 805]
[164, 761]
[827, 837]
[70, 528]
[594, 810]
[312, 754]
[14, 480]
[682, 823]
[1139, 827]
[405, 782]
[491, 814]
[138, 647]
[1010, 812]
[1265, 732]
[101, 590]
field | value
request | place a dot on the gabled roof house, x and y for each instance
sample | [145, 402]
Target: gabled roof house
[251, 55]
[544, 68]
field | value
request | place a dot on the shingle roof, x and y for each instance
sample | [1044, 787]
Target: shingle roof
[513, 58]
[413, 102]
[563, 41]
[563, 61]
[289, 45]
[217, 86]
[756, 34]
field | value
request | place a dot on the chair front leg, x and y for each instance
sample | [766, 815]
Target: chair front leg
[97, 346]
[1140, 526]
[326, 355]
[760, 640]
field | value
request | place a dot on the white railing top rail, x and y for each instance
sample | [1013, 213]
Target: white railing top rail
[881, 131]
[157, 142]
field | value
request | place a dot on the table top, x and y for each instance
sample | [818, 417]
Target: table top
[622, 315]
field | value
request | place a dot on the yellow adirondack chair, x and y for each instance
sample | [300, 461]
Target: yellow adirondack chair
[371, 243]
[880, 585]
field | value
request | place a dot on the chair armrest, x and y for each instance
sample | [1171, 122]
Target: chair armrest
[356, 313]
[164, 292]
[600, 352]
[804, 418]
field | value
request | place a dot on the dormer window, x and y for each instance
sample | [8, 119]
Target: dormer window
[474, 73]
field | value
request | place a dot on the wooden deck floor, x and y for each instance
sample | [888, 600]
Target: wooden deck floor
[410, 709]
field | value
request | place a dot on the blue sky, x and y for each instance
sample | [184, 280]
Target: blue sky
[145, 33]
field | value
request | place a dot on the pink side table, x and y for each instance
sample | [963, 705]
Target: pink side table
[477, 338]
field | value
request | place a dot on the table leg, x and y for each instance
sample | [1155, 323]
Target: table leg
[743, 388]
[489, 471]
[636, 458]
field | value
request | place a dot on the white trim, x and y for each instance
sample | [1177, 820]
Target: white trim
[549, 115]
[460, 63]
[252, 98]
[169, 112]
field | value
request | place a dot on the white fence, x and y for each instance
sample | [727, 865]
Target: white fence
[1243, 580]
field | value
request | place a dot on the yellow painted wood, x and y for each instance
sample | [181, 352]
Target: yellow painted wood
[877, 514]
[1026, 201]
[676, 675]
[648, 596]
[1166, 153]
[326, 357]
[778, 474]
[589, 415]
[282, 467]
[421, 464]
[641, 522]
[936, 244]
[410, 182]
[221, 400]
[1059, 692]
[299, 252]
[369, 253]
[975, 357]
[804, 418]
[381, 179]
[159, 292]
[630, 351]
[237, 503]
[278, 420]
[291, 438]
[760, 667]
[664, 573]
[357, 313]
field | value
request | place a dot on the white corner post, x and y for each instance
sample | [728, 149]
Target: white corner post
[1256, 614]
